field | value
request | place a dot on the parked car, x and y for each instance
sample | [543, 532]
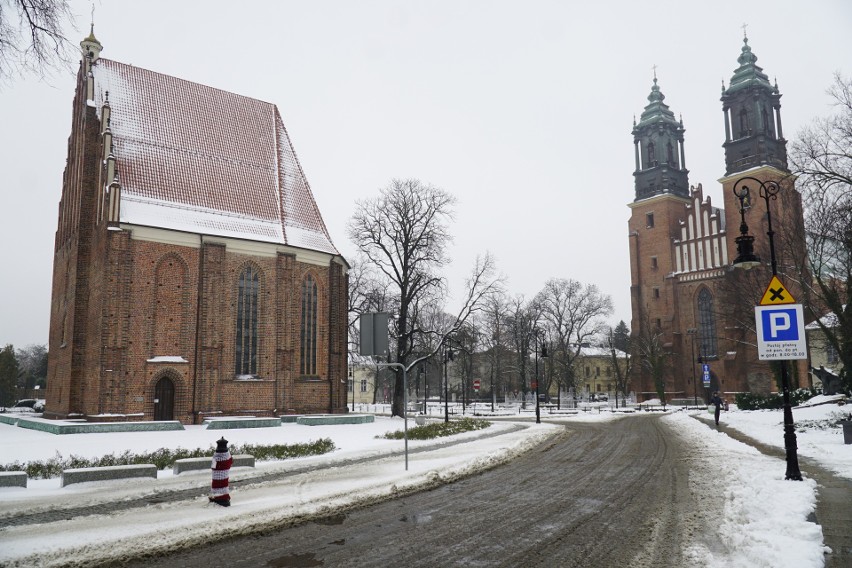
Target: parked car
[34, 404]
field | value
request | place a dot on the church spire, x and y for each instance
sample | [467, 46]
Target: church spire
[658, 147]
[752, 110]
[91, 46]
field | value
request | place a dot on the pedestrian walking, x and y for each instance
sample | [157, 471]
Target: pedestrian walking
[221, 466]
[716, 400]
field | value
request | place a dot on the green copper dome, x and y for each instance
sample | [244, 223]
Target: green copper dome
[748, 74]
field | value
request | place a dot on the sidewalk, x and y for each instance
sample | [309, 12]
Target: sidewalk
[834, 497]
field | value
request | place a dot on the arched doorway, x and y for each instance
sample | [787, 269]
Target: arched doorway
[164, 399]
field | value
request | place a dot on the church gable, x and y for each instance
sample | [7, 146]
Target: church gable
[201, 160]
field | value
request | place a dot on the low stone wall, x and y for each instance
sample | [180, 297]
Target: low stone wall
[331, 419]
[13, 479]
[109, 473]
[196, 464]
[237, 422]
[51, 427]
[9, 419]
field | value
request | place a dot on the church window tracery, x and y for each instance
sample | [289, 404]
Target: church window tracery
[246, 341]
[309, 327]
[706, 323]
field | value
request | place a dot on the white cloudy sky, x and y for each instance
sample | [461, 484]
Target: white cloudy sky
[523, 110]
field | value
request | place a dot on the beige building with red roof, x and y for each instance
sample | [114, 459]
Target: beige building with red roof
[193, 273]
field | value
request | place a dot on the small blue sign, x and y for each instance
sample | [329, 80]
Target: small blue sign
[706, 368]
[779, 324]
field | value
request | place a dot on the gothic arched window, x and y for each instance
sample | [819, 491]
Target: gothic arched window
[245, 356]
[309, 327]
[706, 324]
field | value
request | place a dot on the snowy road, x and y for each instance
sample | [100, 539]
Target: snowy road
[602, 494]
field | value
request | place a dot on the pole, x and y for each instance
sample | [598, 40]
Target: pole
[692, 332]
[352, 376]
[448, 356]
[537, 411]
[404, 403]
[769, 190]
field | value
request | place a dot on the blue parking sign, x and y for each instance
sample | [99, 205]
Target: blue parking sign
[780, 332]
[780, 324]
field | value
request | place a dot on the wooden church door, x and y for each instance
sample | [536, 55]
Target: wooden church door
[164, 400]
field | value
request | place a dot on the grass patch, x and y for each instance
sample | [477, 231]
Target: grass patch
[165, 458]
[439, 429]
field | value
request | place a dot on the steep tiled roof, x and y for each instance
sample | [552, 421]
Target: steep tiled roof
[194, 158]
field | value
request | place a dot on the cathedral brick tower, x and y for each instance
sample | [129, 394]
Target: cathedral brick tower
[690, 306]
[193, 274]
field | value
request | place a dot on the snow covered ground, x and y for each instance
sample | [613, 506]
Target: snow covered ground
[763, 523]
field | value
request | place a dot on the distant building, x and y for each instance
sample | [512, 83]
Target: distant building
[193, 273]
[684, 289]
[594, 371]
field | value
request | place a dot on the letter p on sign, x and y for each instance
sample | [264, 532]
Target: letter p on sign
[780, 324]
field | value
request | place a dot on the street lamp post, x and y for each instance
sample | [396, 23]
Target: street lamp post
[352, 381]
[543, 349]
[448, 356]
[693, 331]
[747, 259]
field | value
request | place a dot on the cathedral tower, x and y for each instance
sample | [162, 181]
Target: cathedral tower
[687, 298]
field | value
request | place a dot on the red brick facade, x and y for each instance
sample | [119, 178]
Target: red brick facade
[665, 293]
[144, 320]
[685, 290]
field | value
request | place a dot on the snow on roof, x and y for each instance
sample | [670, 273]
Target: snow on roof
[197, 159]
[829, 320]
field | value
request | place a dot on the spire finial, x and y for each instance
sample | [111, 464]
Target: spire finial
[745, 35]
[654, 67]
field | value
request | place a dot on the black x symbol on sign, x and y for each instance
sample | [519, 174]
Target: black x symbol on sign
[777, 294]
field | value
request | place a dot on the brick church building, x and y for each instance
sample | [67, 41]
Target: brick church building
[685, 291]
[193, 274]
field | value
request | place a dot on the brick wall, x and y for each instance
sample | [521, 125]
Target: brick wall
[119, 302]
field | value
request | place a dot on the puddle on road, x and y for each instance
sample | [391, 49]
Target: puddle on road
[417, 518]
[305, 560]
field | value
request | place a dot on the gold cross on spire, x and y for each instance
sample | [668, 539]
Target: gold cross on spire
[745, 36]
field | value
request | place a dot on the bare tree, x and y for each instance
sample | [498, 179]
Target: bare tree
[31, 37]
[654, 359]
[822, 158]
[368, 293]
[575, 314]
[404, 233]
[522, 319]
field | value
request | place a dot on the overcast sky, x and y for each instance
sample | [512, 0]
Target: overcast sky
[522, 110]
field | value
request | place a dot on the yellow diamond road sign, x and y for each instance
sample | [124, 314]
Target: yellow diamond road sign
[776, 294]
